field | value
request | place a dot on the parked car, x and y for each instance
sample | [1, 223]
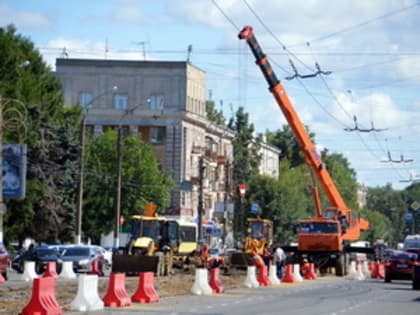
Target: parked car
[399, 265]
[40, 255]
[4, 260]
[82, 257]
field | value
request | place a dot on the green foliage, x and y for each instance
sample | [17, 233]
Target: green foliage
[286, 141]
[391, 204]
[214, 115]
[32, 96]
[380, 227]
[142, 182]
[343, 175]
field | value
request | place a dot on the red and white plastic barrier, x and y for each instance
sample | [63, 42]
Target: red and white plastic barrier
[67, 270]
[272, 275]
[201, 285]
[263, 276]
[29, 273]
[87, 297]
[116, 295]
[145, 292]
[43, 300]
[251, 278]
[288, 276]
[215, 281]
[50, 270]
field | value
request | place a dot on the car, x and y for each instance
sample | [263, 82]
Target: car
[41, 256]
[4, 260]
[399, 265]
[83, 257]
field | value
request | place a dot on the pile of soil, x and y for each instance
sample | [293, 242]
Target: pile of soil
[15, 295]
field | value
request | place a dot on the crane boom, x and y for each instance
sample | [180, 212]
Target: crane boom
[308, 148]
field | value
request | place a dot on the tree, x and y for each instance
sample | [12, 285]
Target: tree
[380, 227]
[343, 175]
[246, 160]
[285, 140]
[50, 132]
[142, 182]
[213, 115]
[410, 195]
[390, 203]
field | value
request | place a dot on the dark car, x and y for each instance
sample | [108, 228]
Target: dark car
[82, 257]
[4, 260]
[416, 269]
[399, 265]
[41, 256]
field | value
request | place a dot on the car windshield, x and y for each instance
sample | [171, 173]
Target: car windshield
[402, 256]
[46, 252]
[76, 251]
[318, 228]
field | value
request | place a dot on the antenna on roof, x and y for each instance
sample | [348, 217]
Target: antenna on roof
[189, 52]
[143, 44]
[64, 53]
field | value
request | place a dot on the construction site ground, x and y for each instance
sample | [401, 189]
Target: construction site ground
[15, 293]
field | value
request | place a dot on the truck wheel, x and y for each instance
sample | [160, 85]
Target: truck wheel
[340, 266]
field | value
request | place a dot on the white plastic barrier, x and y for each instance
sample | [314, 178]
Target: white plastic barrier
[360, 275]
[201, 284]
[353, 272]
[365, 269]
[29, 273]
[296, 273]
[251, 278]
[87, 298]
[67, 270]
[272, 275]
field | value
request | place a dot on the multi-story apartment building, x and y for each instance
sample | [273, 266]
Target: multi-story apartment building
[163, 103]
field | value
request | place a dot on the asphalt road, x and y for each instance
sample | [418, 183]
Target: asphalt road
[326, 296]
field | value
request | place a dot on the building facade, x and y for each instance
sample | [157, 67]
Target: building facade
[163, 103]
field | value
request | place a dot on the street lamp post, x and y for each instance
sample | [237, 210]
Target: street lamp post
[200, 199]
[78, 236]
[117, 203]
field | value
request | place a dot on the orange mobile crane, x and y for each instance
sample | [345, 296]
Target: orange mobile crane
[322, 238]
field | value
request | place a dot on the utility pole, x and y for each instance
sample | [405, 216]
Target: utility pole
[78, 236]
[79, 201]
[225, 201]
[200, 199]
[118, 192]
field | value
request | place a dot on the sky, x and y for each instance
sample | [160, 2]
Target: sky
[371, 48]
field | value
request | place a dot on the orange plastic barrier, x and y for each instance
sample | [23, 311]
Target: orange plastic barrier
[288, 274]
[43, 301]
[95, 269]
[145, 292]
[50, 270]
[215, 282]
[263, 276]
[378, 271]
[2, 278]
[309, 273]
[116, 295]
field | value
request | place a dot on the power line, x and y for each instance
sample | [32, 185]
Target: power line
[364, 23]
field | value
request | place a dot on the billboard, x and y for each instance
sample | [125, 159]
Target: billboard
[14, 171]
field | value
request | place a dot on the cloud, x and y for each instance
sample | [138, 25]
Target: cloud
[23, 19]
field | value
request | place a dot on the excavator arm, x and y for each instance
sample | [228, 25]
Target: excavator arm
[311, 155]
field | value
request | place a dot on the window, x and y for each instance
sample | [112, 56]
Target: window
[85, 99]
[157, 135]
[120, 101]
[157, 102]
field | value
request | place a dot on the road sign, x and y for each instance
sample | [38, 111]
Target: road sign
[241, 190]
[255, 208]
[409, 217]
[415, 205]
